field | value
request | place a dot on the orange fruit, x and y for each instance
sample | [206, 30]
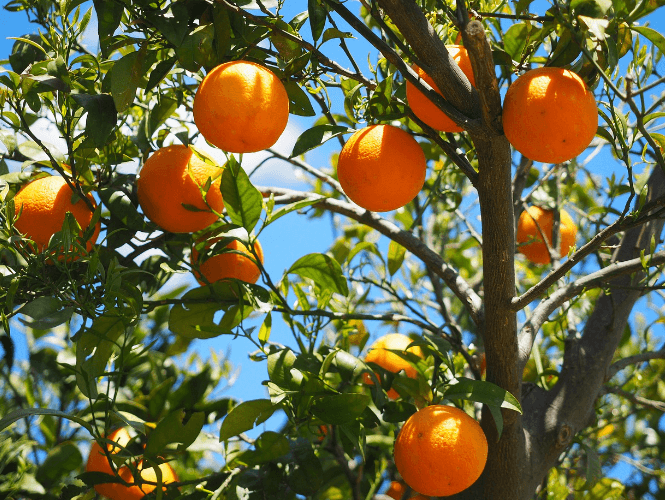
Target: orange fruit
[535, 220]
[425, 109]
[380, 353]
[98, 461]
[440, 451]
[550, 115]
[41, 206]
[381, 168]
[229, 265]
[396, 490]
[241, 107]
[136, 492]
[172, 177]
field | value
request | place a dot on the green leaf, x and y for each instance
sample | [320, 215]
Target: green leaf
[160, 113]
[26, 51]
[289, 49]
[279, 367]
[59, 462]
[47, 313]
[316, 136]
[332, 33]
[222, 23]
[102, 116]
[245, 416]
[17, 415]
[323, 270]
[306, 474]
[264, 331]
[484, 392]
[317, 17]
[94, 347]
[243, 202]
[514, 40]
[398, 411]
[291, 208]
[161, 70]
[172, 22]
[593, 470]
[109, 15]
[268, 446]
[196, 319]
[126, 76]
[198, 49]
[122, 208]
[298, 101]
[171, 430]
[33, 151]
[339, 409]
[652, 35]
[396, 253]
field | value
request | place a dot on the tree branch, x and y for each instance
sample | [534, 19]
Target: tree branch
[587, 358]
[450, 276]
[631, 360]
[596, 279]
[591, 246]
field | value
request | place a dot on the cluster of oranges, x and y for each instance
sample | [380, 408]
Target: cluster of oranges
[440, 450]
[241, 107]
[549, 115]
[98, 461]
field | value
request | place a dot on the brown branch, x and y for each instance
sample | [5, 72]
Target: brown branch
[631, 360]
[591, 246]
[656, 405]
[596, 279]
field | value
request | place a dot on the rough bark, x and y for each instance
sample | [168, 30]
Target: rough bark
[552, 418]
[503, 469]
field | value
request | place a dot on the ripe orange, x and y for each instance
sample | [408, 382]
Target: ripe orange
[98, 461]
[380, 354]
[41, 206]
[440, 451]
[172, 177]
[550, 115]
[528, 231]
[381, 168]
[425, 109]
[241, 107]
[136, 492]
[396, 490]
[229, 265]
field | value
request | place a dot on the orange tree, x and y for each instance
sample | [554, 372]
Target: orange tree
[573, 348]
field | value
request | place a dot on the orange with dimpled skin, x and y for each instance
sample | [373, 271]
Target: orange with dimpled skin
[440, 451]
[550, 115]
[381, 168]
[241, 107]
[41, 206]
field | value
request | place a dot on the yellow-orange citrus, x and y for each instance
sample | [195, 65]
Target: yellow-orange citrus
[136, 492]
[98, 461]
[229, 264]
[241, 107]
[41, 206]
[440, 451]
[425, 109]
[381, 168]
[550, 115]
[380, 353]
[535, 220]
[172, 177]
[396, 490]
